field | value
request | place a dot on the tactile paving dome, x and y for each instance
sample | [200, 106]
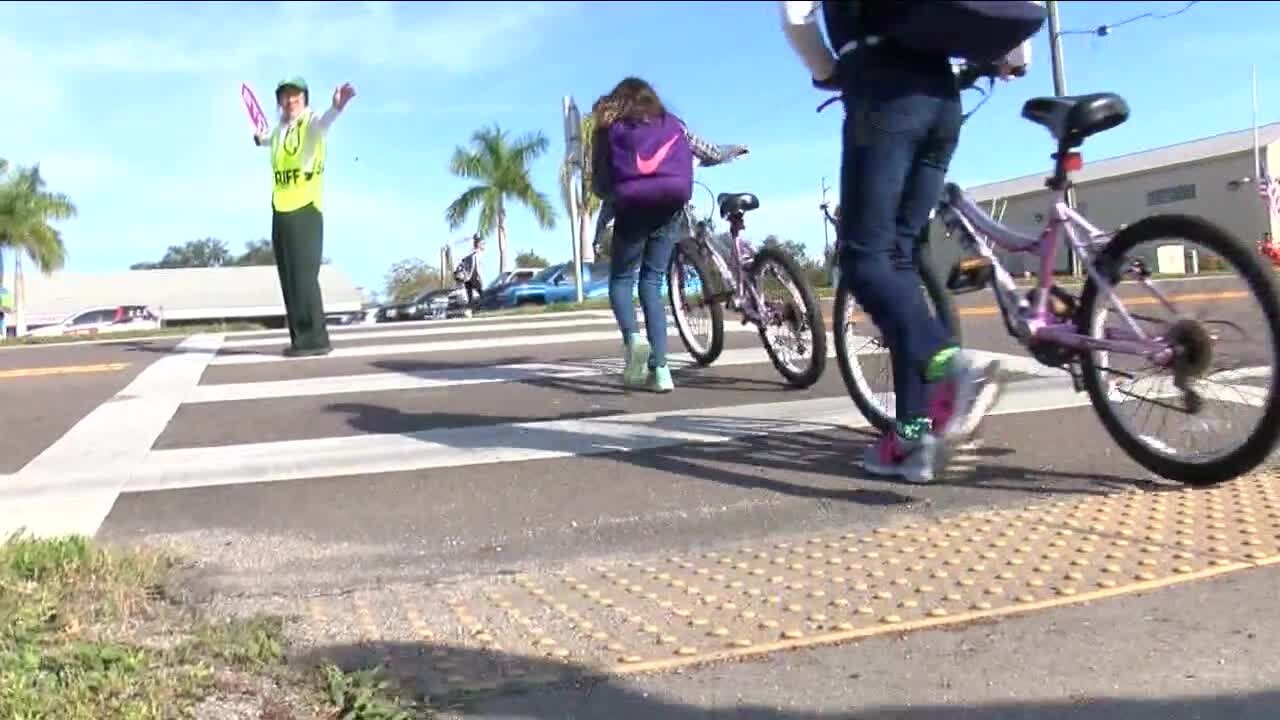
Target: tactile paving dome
[631, 616]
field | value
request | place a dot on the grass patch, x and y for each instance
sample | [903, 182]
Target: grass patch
[179, 331]
[87, 633]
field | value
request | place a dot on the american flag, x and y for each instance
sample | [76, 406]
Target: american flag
[1269, 190]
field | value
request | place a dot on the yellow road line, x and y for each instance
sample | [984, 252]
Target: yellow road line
[62, 370]
[657, 614]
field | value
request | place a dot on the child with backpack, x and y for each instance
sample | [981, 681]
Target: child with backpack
[468, 271]
[642, 169]
[892, 63]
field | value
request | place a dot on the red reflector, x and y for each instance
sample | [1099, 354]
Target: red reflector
[1073, 162]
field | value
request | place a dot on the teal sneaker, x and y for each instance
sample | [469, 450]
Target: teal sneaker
[637, 359]
[660, 380]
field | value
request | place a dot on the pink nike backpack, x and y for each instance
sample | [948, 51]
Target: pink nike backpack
[652, 163]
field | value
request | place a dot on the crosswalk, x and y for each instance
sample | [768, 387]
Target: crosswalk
[231, 409]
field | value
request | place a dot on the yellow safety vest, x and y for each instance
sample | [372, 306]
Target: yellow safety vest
[296, 186]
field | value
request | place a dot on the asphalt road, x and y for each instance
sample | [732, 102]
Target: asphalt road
[437, 452]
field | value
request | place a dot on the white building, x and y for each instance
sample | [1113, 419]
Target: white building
[182, 295]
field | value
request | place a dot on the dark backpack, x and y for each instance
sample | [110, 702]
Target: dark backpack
[465, 269]
[978, 31]
[650, 162]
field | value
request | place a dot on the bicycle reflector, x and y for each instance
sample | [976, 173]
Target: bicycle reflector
[1073, 162]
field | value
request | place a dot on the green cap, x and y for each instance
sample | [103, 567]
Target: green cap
[293, 82]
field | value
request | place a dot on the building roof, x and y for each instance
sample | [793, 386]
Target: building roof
[181, 293]
[1161, 157]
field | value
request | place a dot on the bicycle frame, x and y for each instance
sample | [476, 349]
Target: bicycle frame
[734, 278]
[980, 231]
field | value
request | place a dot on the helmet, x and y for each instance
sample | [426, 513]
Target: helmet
[294, 82]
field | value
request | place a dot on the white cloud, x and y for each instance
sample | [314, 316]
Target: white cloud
[455, 38]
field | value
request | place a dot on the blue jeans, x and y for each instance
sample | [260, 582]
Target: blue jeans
[901, 127]
[646, 241]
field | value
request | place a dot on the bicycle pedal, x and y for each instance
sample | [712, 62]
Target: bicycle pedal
[969, 275]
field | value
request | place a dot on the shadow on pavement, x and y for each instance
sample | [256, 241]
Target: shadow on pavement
[764, 446]
[573, 692]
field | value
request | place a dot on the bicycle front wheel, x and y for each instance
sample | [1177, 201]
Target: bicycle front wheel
[863, 355]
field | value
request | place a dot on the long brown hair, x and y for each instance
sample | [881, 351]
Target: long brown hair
[636, 100]
[605, 111]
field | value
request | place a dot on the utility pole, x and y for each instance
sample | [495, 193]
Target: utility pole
[1060, 89]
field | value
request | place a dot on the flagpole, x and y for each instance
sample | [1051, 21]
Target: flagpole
[1257, 151]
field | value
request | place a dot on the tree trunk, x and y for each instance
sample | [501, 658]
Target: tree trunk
[502, 238]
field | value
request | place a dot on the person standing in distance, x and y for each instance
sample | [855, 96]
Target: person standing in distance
[902, 125]
[468, 271]
[297, 224]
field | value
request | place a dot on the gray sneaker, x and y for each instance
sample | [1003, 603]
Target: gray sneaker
[959, 401]
[911, 460]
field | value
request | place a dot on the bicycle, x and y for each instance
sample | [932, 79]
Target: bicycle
[1068, 332]
[738, 283]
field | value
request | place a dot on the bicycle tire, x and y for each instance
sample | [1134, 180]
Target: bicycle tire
[943, 308]
[1262, 285]
[701, 356]
[813, 316]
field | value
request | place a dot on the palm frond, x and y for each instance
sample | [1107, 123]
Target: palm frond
[540, 204]
[44, 245]
[26, 209]
[467, 165]
[529, 148]
[457, 212]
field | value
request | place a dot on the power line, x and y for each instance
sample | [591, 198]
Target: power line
[1105, 30]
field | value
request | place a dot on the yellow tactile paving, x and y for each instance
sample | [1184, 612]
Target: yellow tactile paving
[663, 613]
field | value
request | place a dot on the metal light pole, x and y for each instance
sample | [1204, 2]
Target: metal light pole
[573, 156]
[833, 270]
[1060, 89]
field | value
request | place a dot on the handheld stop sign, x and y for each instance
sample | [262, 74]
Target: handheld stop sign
[256, 116]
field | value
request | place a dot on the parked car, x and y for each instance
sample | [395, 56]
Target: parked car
[556, 285]
[434, 305]
[396, 312]
[102, 320]
[489, 299]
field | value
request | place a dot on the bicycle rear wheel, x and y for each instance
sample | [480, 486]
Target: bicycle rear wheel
[796, 317]
[697, 313]
[863, 355]
[1243, 337]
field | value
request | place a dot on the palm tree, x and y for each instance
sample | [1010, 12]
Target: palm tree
[26, 209]
[588, 202]
[502, 169]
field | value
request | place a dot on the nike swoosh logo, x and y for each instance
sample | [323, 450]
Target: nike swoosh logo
[648, 166]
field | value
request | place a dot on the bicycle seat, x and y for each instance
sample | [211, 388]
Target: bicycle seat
[1072, 118]
[737, 203]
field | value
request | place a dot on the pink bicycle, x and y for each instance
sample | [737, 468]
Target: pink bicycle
[1119, 357]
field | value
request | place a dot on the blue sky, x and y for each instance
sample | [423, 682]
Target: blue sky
[133, 109]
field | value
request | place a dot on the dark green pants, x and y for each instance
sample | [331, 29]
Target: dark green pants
[297, 238]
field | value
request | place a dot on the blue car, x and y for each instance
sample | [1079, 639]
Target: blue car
[556, 285]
